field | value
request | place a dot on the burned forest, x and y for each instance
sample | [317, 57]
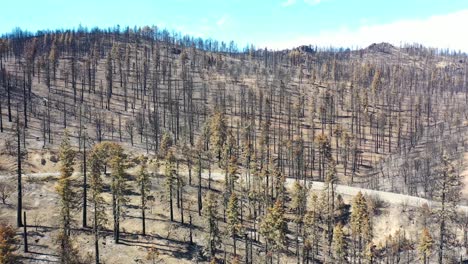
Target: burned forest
[140, 145]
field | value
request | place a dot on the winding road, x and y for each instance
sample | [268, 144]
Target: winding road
[387, 197]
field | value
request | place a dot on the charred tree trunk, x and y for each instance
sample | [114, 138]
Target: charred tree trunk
[19, 208]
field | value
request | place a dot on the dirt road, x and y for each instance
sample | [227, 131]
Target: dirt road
[388, 197]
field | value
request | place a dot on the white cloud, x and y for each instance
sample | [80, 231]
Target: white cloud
[312, 2]
[288, 3]
[442, 31]
[222, 20]
[309, 2]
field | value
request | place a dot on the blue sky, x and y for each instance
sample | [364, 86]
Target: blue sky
[274, 23]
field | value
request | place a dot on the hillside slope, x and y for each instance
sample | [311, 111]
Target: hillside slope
[376, 120]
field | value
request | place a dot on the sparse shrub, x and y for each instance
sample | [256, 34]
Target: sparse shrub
[53, 159]
[8, 244]
[5, 191]
[375, 204]
[153, 255]
[10, 147]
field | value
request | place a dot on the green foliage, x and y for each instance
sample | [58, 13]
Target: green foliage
[102, 154]
[95, 166]
[69, 252]
[66, 156]
[218, 132]
[312, 220]
[115, 51]
[67, 199]
[246, 145]
[166, 143]
[323, 144]
[376, 82]
[341, 210]
[397, 243]
[273, 226]
[425, 244]
[339, 244]
[170, 178]
[170, 170]
[144, 180]
[109, 73]
[331, 178]
[298, 201]
[8, 244]
[210, 213]
[361, 229]
[64, 186]
[234, 226]
[360, 222]
[280, 180]
[448, 192]
[119, 186]
[370, 252]
[233, 171]
[264, 136]
[450, 182]
[53, 56]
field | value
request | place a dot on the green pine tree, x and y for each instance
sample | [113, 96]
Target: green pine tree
[170, 174]
[425, 245]
[145, 184]
[273, 228]
[360, 225]
[339, 244]
[234, 225]
[210, 209]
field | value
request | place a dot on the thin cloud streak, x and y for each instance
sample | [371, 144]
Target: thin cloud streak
[312, 2]
[293, 2]
[222, 21]
[441, 31]
[288, 3]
